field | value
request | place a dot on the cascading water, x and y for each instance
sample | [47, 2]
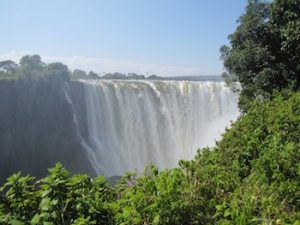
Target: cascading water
[133, 123]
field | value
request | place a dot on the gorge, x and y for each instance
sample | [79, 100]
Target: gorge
[108, 126]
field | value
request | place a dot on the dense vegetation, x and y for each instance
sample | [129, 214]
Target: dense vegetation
[264, 51]
[252, 176]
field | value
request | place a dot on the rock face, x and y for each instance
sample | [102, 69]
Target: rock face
[38, 128]
[108, 126]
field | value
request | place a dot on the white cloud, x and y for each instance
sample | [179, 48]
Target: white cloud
[100, 65]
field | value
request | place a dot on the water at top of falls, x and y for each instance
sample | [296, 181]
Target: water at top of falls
[134, 122]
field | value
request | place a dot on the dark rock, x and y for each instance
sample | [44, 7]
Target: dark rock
[37, 128]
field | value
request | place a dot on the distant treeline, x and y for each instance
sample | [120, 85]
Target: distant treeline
[32, 66]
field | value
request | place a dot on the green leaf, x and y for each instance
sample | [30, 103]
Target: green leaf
[48, 223]
[227, 213]
[36, 219]
[16, 222]
[45, 204]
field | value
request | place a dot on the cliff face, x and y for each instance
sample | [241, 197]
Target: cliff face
[38, 129]
[107, 127]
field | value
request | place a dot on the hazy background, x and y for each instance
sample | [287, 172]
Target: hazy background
[164, 37]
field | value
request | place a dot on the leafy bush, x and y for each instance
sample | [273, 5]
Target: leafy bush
[56, 199]
[154, 198]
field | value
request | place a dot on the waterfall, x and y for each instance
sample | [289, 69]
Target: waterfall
[132, 123]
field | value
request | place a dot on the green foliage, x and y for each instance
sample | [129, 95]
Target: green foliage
[263, 149]
[19, 201]
[252, 176]
[264, 50]
[154, 198]
[56, 199]
[32, 67]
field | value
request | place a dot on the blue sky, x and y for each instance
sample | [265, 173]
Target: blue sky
[165, 37]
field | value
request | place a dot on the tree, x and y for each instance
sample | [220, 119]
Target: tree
[7, 67]
[93, 75]
[285, 20]
[31, 62]
[56, 71]
[79, 74]
[30, 66]
[264, 50]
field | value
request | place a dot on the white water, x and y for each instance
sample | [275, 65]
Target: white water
[133, 123]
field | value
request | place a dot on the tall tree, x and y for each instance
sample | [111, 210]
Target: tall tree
[30, 66]
[56, 71]
[264, 50]
[7, 67]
